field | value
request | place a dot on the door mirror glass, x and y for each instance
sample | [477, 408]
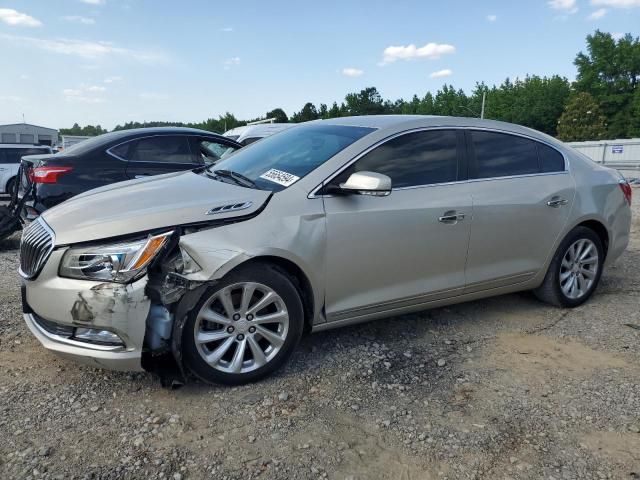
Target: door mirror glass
[367, 183]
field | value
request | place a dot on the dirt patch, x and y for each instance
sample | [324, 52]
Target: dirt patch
[542, 356]
[614, 447]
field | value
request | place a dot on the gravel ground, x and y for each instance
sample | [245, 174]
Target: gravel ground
[500, 388]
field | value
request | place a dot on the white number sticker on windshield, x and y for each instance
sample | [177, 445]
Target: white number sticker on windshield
[280, 177]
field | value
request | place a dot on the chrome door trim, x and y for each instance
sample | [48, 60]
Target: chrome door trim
[313, 194]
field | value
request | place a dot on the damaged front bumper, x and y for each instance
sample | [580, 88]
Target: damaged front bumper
[96, 323]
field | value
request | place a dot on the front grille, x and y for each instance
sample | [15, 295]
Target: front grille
[35, 248]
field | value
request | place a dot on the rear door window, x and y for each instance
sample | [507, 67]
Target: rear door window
[162, 149]
[503, 155]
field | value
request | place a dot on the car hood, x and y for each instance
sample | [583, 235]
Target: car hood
[148, 204]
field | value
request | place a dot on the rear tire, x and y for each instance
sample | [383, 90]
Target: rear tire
[11, 184]
[244, 327]
[575, 270]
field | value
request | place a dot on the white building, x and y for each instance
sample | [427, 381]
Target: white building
[68, 140]
[614, 153]
[29, 134]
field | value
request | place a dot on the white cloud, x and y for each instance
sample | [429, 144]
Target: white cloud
[601, 12]
[227, 29]
[94, 2]
[84, 94]
[409, 52]
[441, 73]
[568, 6]
[617, 35]
[352, 72]
[84, 49]
[616, 3]
[231, 62]
[79, 19]
[25, 76]
[17, 19]
[10, 98]
[492, 18]
[113, 79]
[153, 96]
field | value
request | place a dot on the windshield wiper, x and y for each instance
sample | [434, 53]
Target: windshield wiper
[237, 177]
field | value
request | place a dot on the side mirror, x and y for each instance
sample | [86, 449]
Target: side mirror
[367, 183]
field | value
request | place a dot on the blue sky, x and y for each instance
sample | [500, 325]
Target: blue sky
[112, 61]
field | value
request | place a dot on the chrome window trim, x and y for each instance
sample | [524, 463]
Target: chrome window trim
[566, 170]
[109, 152]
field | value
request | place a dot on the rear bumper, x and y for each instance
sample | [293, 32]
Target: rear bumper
[112, 358]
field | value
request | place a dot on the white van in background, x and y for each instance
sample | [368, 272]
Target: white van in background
[251, 133]
[10, 155]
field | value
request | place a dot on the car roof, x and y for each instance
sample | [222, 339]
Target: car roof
[398, 122]
[156, 131]
[112, 138]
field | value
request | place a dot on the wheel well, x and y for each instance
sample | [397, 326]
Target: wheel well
[300, 281]
[599, 230]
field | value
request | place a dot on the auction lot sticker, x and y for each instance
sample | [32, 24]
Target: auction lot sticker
[280, 177]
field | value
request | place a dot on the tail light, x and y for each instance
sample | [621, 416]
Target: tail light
[47, 174]
[626, 190]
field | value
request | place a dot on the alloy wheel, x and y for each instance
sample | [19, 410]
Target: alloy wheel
[241, 327]
[579, 268]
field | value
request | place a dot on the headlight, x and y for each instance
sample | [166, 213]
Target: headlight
[119, 262]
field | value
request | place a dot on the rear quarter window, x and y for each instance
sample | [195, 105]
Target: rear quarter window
[551, 160]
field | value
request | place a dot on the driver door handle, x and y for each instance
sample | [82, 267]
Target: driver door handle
[556, 202]
[451, 217]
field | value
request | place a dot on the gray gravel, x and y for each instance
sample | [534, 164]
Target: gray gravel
[500, 388]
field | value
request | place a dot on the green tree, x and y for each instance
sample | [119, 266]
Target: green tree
[610, 71]
[323, 112]
[308, 112]
[582, 120]
[278, 114]
[634, 127]
[88, 130]
[334, 111]
[366, 102]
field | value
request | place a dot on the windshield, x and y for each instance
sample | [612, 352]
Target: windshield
[278, 161]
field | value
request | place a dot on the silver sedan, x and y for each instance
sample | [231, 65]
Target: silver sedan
[219, 271]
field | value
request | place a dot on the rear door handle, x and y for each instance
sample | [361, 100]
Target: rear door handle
[451, 217]
[556, 202]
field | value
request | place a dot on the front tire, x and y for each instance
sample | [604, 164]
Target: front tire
[575, 271]
[245, 327]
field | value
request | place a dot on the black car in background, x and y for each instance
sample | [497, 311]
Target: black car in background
[47, 180]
